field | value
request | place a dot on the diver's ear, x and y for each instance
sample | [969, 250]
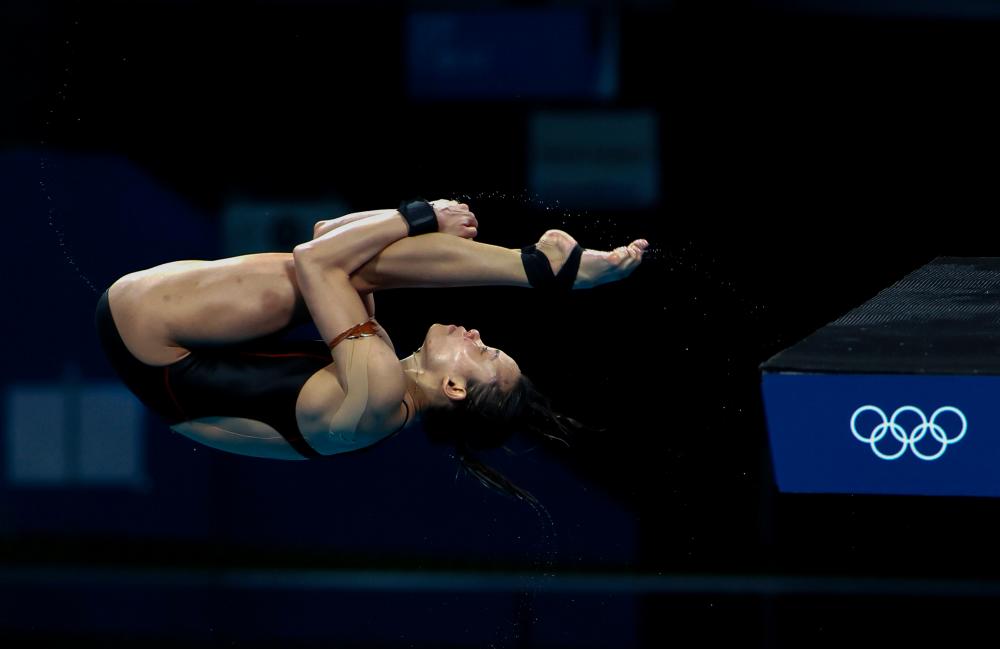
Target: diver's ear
[453, 388]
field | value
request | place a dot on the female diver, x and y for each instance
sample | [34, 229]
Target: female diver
[198, 341]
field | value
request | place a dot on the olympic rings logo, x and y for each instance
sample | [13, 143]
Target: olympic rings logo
[909, 440]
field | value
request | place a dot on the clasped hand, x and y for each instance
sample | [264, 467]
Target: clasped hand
[454, 218]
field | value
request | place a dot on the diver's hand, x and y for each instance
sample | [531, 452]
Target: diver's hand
[454, 218]
[596, 267]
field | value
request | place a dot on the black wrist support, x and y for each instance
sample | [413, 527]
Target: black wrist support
[419, 215]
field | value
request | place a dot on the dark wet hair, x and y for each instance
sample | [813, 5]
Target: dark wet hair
[488, 418]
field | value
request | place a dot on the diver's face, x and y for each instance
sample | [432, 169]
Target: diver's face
[455, 350]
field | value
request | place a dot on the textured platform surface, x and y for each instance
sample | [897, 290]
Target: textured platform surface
[943, 318]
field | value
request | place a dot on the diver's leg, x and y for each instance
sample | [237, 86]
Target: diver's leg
[437, 260]
[162, 311]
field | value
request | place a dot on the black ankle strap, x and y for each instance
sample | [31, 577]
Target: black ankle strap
[539, 270]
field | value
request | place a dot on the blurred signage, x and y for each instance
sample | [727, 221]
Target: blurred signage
[251, 227]
[512, 54]
[595, 159]
[72, 433]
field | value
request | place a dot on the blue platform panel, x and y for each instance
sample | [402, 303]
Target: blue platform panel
[884, 433]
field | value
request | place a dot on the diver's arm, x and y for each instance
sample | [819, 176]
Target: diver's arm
[349, 246]
[322, 227]
[369, 300]
[366, 368]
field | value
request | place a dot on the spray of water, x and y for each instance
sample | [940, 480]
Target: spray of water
[542, 569]
[594, 232]
[44, 182]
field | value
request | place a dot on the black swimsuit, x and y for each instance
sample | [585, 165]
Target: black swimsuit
[259, 380]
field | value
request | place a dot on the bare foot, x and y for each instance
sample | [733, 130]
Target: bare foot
[557, 246]
[596, 266]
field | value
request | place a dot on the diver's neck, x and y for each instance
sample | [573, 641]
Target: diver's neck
[413, 371]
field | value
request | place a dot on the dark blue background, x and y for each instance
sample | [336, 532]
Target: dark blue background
[810, 155]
